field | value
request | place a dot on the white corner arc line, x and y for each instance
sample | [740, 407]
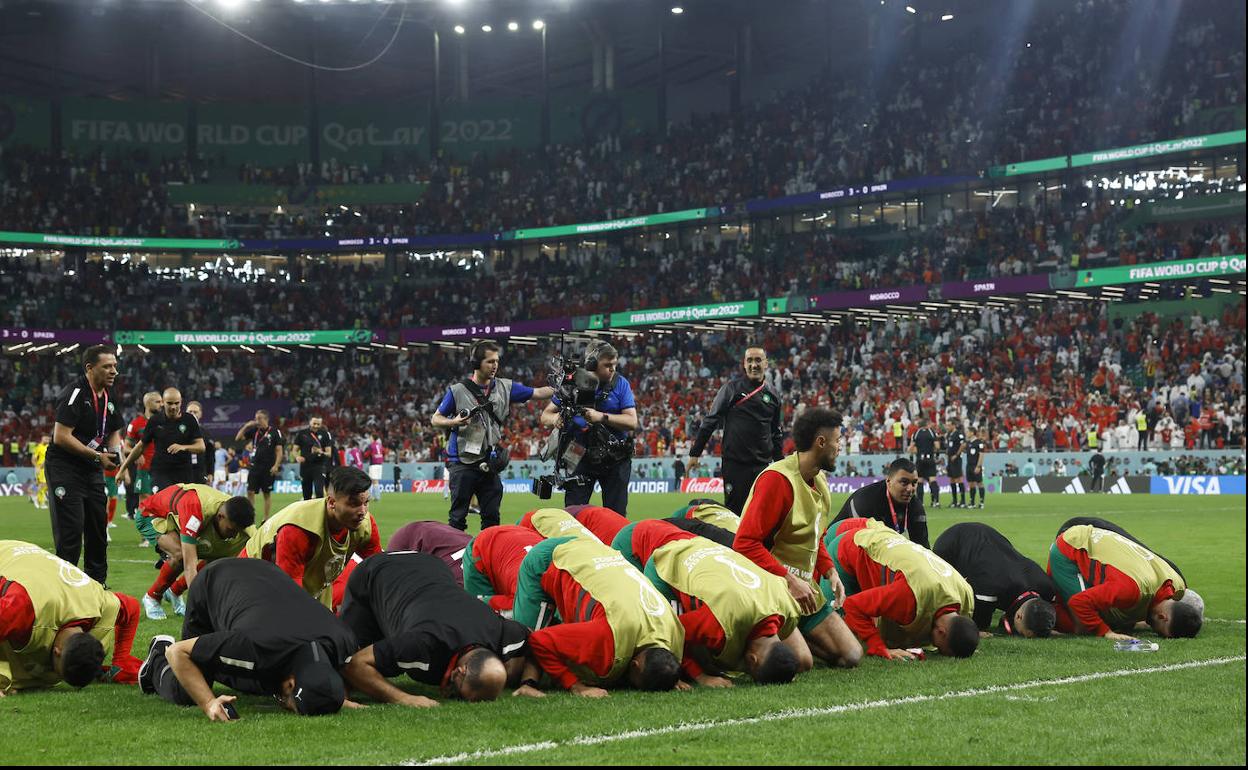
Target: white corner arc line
[777, 716]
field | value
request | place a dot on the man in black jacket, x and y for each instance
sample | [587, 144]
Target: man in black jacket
[1003, 579]
[893, 501]
[751, 415]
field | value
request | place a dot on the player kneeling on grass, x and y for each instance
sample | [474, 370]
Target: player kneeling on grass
[1002, 578]
[917, 596]
[615, 623]
[603, 522]
[411, 616]
[710, 512]
[787, 510]
[253, 630]
[557, 522]
[736, 615]
[190, 524]
[492, 564]
[57, 624]
[431, 537]
[1110, 583]
[637, 541]
[312, 540]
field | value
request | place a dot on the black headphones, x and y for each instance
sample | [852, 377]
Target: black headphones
[476, 353]
[592, 351]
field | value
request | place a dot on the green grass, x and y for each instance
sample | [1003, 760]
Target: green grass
[1189, 715]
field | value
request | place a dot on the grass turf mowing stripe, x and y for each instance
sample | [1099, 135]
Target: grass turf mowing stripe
[594, 740]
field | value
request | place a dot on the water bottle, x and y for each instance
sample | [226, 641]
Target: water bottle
[1135, 645]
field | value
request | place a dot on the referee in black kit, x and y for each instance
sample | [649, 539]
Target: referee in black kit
[923, 446]
[751, 415]
[85, 441]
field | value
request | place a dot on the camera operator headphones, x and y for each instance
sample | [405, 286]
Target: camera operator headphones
[592, 351]
[476, 353]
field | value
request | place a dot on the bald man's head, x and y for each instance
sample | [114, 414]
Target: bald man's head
[152, 403]
[173, 403]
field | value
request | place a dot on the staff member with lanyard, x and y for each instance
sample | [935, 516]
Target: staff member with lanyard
[604, 433]
[750, 414]
[85, 441]
[474, 409]
[892, 501]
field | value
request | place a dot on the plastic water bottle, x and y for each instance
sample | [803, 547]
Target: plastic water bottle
[1135, 645]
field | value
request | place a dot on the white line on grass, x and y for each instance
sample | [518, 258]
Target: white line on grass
[777, 716]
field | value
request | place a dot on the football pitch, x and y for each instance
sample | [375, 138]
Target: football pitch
[1049, 701]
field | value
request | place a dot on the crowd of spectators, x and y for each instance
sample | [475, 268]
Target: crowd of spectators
[1039, 376]
[1070, 81]
[345, 295]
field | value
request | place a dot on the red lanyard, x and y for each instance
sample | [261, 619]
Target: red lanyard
[259, 436]
[752, 394]
[101, 413]
[891, 510]
[315, 438]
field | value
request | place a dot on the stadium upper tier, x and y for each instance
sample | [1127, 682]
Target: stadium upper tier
[1038, 374]
[935, 113]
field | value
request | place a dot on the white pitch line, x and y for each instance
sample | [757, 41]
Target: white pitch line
[777, 716]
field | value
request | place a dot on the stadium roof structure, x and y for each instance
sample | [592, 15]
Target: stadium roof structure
[197, 49]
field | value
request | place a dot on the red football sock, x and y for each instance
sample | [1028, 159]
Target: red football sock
[112, 508]
[163, 580]
[179, 585]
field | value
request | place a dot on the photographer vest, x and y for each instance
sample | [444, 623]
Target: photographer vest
[739, 593]
[331, 556]
[482, 430]
[638, 614]
[61, 594]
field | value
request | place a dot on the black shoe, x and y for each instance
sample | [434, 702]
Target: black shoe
[160, 642]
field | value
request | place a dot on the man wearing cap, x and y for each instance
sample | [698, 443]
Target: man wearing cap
[736, 616]
[892, 501]
[58, 624]
[253, 630]
[1110, 583]
[603, 522]
[1002, 579]
[492, 562]
[311, 541]
[916, 597]
[411, 617]
[710, 512]
[615, 624]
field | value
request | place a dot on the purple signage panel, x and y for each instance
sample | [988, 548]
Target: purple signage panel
[223, 417]
[68, 336]
[1004, 284]
[469, 331]
[837, 300]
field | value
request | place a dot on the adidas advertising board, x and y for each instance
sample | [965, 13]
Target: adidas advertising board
[1075, 485]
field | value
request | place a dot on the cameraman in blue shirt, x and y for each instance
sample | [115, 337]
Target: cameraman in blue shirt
[602, 434]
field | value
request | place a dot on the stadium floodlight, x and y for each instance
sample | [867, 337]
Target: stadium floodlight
[486, 28]
[459, 29]
[947, 17]
[910, 9]
[539, 24]
[677, 10]
[513, 26]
